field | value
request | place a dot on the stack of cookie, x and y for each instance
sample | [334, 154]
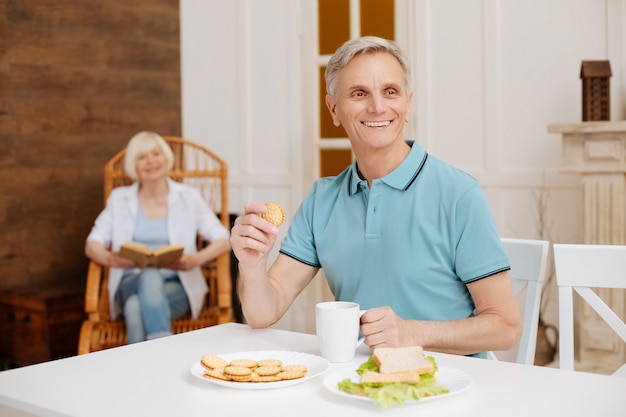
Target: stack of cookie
[249, 370]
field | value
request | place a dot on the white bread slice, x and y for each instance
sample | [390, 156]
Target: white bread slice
[406, 377]
[398, 359]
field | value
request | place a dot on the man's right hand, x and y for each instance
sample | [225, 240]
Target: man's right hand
[252, 237]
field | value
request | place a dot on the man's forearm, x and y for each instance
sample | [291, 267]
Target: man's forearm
[465, 336]
[258, 298]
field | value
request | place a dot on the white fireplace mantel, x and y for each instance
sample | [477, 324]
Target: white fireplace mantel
[597, 150]
[593, 147]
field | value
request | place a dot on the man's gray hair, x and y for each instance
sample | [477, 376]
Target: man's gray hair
[361, 46]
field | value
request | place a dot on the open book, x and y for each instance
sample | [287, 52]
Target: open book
[143, 256]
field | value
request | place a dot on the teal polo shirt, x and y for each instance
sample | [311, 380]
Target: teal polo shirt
[412, 241]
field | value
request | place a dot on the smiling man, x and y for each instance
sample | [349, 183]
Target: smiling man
[407, 236]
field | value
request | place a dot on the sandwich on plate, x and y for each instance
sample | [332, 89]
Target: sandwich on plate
[395, 375]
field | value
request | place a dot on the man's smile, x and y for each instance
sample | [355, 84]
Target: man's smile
[382, 123]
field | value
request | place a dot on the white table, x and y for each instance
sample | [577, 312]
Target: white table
[153, 379]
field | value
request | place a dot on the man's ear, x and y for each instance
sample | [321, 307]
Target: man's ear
[332, 108]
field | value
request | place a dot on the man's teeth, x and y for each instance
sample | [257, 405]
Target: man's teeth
[377, 124]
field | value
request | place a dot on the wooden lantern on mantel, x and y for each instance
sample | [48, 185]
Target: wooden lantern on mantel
[596, 98]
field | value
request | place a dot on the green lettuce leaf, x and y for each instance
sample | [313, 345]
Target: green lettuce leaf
[393, 393]
[368, 365]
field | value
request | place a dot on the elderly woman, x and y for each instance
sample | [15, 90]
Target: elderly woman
[154, 211]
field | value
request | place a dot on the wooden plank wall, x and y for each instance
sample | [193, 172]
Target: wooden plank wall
[77, 80]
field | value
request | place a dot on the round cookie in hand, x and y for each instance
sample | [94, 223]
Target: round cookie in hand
[274, 213]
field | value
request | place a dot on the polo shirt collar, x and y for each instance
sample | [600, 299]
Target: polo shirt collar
[401, 177]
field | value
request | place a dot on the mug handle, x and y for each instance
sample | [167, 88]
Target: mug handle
[362, 339]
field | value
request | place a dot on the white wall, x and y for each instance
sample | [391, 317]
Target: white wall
[240, 68]
[490, 76]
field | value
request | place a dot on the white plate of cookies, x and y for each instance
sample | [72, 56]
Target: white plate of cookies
[263, 369]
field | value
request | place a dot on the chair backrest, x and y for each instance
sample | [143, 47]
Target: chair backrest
[198, 167]
[193, 164]
[581, 267]
[528, 259]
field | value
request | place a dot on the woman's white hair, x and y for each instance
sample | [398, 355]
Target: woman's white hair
[144, 142]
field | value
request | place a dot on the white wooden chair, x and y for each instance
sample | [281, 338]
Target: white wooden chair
[578, 268]
[528, 259]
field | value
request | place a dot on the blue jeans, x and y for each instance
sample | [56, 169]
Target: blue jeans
[150, 301]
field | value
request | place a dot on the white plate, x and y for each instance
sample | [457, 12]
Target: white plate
[316, 365]
[454, 380]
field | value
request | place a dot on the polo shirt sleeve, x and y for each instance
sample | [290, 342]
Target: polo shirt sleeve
[479, 251]
[299, 242]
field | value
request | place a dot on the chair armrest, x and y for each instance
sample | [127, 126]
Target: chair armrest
[224, 289]
[92, 292]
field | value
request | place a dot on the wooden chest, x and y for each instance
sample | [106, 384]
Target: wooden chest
[37, 325]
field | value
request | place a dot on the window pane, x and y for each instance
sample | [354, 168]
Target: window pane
[334, 24]
[334, 161]
[377, 18]
[327, 128]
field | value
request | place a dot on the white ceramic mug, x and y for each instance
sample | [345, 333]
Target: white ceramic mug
[337, 324]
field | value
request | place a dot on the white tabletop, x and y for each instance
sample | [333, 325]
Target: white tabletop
[154, 379]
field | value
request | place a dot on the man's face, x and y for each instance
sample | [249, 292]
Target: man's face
[371, 101]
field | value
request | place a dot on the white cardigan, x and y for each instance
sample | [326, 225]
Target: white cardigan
[188, 216]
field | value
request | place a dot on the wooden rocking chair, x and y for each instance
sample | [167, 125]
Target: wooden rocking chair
[198, 167]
